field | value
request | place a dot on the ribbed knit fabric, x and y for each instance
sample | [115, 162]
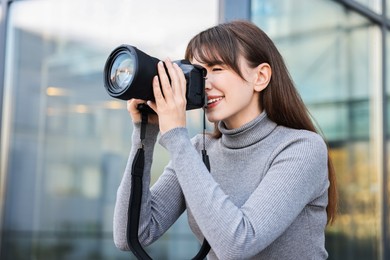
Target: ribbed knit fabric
[265, 197]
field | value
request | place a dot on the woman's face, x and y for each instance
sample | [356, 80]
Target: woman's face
[230, 98]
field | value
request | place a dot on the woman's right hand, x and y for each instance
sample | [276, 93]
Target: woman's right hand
[135, 113]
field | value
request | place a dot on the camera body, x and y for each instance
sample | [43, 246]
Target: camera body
[129, 72]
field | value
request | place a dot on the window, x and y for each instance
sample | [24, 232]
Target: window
[335, 61]
[67, 141]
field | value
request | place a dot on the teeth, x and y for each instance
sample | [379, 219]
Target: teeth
[213, 100]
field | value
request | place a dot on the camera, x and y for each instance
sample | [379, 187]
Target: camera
[129, 72]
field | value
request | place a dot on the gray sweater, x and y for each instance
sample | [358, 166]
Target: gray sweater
[265, 197]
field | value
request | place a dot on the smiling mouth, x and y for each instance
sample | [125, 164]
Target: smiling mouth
[212, 101]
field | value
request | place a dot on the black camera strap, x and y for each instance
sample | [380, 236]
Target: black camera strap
[134, 209]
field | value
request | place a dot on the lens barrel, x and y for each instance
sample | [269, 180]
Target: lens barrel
[129, 72]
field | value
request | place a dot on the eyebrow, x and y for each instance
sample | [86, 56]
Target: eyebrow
[213, 63]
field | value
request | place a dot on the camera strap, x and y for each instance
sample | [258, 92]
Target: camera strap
[134, 209]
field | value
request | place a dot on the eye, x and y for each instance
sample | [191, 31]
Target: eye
[217, 69]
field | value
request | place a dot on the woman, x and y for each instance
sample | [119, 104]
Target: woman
[271, 190]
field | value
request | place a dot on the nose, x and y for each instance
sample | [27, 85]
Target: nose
[207, 83]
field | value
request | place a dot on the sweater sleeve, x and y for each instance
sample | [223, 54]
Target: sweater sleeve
[297, 172]
[161, 205]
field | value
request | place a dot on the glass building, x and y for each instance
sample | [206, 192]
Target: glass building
[64, 141]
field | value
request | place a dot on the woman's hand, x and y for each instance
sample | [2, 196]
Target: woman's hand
[170, 98]
[135, 113]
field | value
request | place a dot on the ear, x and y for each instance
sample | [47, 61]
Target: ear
[262, 77]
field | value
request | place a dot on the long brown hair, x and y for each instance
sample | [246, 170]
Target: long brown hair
[225, 43]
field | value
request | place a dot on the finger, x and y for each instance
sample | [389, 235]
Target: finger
[133, 103]
[158, 95]
[181, 79]
[164, 81]
[174, 76]
[179, 86]
[152, 105]
[129, 105]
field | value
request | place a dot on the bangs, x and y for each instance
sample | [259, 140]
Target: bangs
[215, 46]
[206, 53]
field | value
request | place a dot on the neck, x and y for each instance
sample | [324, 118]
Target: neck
[241, 119]
[247, 134]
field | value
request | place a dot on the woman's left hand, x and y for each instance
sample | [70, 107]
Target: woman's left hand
[170, 97]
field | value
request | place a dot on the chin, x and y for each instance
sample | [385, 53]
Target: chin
[214, 117]
[211, 118]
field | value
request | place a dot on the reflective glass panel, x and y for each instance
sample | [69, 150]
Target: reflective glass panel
[334, 58]
[66, 141]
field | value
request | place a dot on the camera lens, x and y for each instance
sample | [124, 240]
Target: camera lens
[122, 71]
[129, 72]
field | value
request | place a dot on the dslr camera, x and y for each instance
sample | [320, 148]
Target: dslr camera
[128, 73]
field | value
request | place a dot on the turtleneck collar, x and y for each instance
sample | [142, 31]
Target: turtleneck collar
[248, 134]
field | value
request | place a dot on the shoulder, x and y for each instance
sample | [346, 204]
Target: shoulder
[299, 135]
[305, 142]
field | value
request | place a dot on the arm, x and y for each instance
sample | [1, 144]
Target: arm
[164, 203]
[161, 205]
[297, 175]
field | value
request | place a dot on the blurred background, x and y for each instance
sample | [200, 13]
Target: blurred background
[65, 142]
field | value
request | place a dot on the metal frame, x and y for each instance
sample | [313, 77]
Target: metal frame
[371, 15]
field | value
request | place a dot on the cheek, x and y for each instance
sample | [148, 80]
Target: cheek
[241, 93]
